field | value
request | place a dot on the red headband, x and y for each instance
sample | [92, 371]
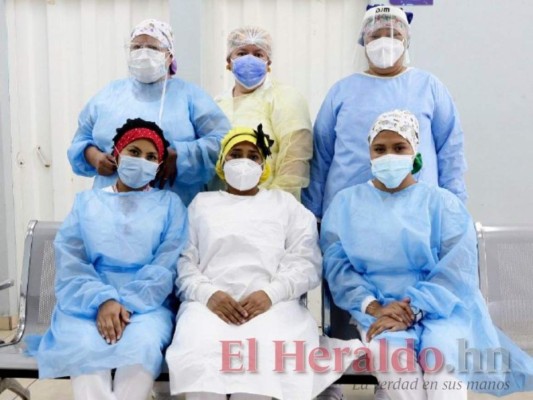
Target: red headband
[140, 133]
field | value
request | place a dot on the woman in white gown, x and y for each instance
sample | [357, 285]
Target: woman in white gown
[252, 254]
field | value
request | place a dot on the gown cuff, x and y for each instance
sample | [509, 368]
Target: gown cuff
[367, 300]
[204, 292]
[275, 291]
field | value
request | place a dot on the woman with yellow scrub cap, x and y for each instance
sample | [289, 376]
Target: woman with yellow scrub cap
[189, 118]
[116, 255]
[401, 257]
[252, 253]
[257, 99]
[386, 82]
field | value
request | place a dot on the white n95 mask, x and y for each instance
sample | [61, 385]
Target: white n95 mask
[242, 173]
[391, 169]
[147, 65]
[385, 51]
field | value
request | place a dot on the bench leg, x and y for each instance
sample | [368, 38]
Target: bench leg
[15, 387]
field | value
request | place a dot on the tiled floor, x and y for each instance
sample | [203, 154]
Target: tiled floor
[60, 389]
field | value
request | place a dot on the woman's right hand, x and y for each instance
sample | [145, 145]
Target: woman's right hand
[104, 163]
[111, 320]
[382, 324]
[399, 310]
[226, 308]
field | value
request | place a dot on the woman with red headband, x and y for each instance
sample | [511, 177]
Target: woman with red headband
[116, 257]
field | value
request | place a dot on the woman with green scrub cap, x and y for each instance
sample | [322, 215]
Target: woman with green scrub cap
[257, 99]
[401, 257]
[252, 253]
[116, 255]
[191, 121]
[386, 82]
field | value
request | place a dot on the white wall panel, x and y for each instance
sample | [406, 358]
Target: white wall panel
[313, 40]
[8, 267]
[61, 52]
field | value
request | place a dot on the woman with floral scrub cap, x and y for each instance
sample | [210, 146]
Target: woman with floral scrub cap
[257, 99]
[340, 157]
[116, 256]
[401, 257]
[252, 253]
[191, 121]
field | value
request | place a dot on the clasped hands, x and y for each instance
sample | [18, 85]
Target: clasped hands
[112, 320]
[395, 316]
[236, 312]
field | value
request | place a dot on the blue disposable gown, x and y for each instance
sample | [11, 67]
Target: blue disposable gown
[418, 243]
[340, 157]
[192, 123]
[121, 246]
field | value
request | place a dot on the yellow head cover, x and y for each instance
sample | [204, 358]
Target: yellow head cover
[243, 134]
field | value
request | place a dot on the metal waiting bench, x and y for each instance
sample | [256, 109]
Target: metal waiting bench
[37, 301]
[505, 268]
[505, 273]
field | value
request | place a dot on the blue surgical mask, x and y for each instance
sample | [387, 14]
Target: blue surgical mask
[249, 71]
[391, 169]
[136, 172]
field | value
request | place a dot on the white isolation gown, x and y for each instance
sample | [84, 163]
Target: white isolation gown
[241, 244]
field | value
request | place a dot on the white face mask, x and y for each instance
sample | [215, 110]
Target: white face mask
[385, 51]
[242, 173]
[147, 65]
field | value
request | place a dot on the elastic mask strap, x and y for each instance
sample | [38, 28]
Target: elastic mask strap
[162, 105]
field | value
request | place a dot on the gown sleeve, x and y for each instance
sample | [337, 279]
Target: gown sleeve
[454, 277]
[192, 284]
[83, 139]
[300, 267]
[79, 288]
[346, 282]
[292, 126]
[154, 282]
[323, 150]
[449, 142]
[196, 159]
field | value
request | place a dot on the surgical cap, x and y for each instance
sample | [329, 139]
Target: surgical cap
[249, 35]
[158, 30]
[379, 17]
[241, 134]
[402, 122]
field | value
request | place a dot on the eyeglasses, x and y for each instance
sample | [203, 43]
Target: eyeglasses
[137, 46]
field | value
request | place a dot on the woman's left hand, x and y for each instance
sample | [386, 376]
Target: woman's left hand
[167, 171]
[256, 303]
[384, 323]
[111, 320]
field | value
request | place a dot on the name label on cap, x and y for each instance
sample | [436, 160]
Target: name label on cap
[382, 10]
[411, 2]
